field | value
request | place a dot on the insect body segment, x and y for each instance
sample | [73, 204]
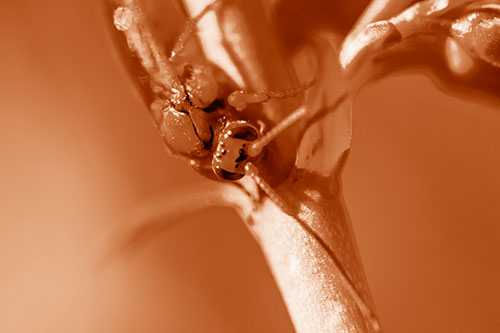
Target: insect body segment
[189, 130]
[231, 155]
[179, 133]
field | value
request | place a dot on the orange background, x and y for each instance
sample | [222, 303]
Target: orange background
[77, 150]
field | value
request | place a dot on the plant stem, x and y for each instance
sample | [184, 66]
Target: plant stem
[312, 254]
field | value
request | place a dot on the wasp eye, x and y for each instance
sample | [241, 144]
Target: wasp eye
[245, 132]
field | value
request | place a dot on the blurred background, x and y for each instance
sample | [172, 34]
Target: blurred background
[77, 150]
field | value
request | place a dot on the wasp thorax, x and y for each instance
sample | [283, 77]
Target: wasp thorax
[231, 154]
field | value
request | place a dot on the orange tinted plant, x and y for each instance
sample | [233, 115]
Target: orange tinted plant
[292, 200]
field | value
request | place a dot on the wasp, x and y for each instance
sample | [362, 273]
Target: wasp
[197, 110]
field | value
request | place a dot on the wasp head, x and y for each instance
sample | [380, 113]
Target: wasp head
[231, 154]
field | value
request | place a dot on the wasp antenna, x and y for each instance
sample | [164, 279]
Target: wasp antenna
[290, 92]
[212, 6]
[256, 148]
[240, 99]
[129, 19]
[189, 28]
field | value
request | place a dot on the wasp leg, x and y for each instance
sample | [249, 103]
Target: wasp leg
[189, 28]
[240, 99]
[256, 148]
[252, 171]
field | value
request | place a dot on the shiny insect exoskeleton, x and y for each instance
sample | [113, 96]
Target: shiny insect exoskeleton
[196, 107]
[231, 154]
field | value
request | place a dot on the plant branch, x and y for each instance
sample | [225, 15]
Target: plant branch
[312, 254]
